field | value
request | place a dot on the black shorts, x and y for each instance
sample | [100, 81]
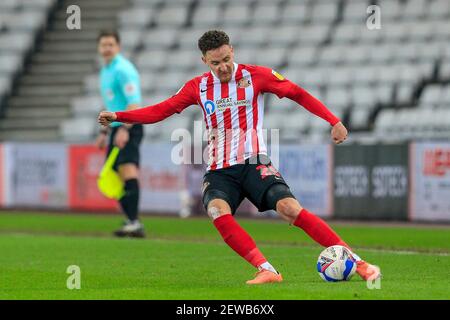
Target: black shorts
[130, 153]
[250, 180]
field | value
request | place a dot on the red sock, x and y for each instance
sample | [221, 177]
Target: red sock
[318, 229]
[239, 240]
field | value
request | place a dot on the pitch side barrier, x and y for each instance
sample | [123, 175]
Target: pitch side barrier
[359, 182]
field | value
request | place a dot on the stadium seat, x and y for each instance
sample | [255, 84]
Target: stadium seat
[236, 14]
[135, 18]
[438, 9]
[79, 129]
[266, 14]
[295, 13]
[151, 60]
[172, 16]
[207, 15]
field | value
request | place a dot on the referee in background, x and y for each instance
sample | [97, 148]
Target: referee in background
[120, 90]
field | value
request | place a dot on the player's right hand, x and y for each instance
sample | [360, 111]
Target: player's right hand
[106, 117]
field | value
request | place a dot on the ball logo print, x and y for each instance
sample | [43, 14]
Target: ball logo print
[210, 107]
[336, 263]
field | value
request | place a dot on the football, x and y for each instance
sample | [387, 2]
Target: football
[336, 263]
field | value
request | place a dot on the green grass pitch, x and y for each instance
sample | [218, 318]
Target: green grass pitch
[186, 259]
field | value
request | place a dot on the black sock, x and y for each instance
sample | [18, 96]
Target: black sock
[130, 200]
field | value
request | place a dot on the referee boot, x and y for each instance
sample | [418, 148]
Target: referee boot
[132, 229]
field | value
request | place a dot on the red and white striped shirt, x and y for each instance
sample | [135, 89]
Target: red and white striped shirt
[233, 111]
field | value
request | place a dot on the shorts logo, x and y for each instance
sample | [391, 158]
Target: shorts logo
[244, 83]
[268, 171]
[210, 107]
[204, 186]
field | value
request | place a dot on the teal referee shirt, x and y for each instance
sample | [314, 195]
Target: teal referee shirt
[119, 85]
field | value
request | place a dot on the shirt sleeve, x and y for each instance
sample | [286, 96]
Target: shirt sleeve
[184, 98]
[130, 86]
[273, 82]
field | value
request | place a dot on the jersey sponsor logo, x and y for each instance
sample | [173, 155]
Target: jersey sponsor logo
[276, 74]
[210, 107]
[244, 83]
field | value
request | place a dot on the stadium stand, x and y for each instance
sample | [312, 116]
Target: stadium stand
[387, 84]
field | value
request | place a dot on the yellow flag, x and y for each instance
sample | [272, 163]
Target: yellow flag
[109, 182]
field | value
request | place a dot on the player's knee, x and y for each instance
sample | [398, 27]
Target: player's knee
[289, 208]
[216, 203]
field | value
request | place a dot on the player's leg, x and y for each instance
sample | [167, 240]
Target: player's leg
[291, 210]
[221, 197]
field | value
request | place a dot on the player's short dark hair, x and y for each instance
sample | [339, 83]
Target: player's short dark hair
[212, 39]
[108, 33]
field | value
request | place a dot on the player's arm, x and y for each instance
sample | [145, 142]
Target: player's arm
[130, 85]
[277, 84]
[154, 113]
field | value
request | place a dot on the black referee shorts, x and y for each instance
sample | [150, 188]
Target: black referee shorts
[250, 180]
[130, 153]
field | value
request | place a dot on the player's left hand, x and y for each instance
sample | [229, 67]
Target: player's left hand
[339, 133]
[122, 137]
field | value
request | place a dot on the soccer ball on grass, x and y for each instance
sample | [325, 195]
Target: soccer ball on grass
[336, 263]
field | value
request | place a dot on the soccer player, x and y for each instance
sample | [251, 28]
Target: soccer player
[120, 90]
[231, 98]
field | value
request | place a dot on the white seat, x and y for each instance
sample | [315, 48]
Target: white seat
[135, 17]
[365, 74]
[359, 118]
[340, 77]
[414, 9]
[295, 12]
[78, 129]
[207, 14]
[266, 14]
[302, 55]
[325, 12]
[151, 60]
[438, 9]
[363, 97]
[86, 105]
[174, 15]
[338, 98]
[159, 38]
[284, 35]
[314, 34]
[130, 38]
[405, 93]
[345, 33]
[170, 82]
[28, 21]
[394, 31]
[183, 59]
[358, 54]
[271, 57]
[10, 64]
[91, 84]
[332, 54]
[431, 95]
[355, 11]
[18, 42]
[236, 14]
[391, 10]
[253, 36]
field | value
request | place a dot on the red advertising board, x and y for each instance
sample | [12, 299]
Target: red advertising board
[85, 163]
